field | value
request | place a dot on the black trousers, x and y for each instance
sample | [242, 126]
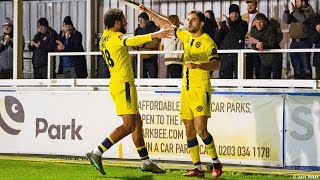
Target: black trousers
[253, 64]
[150, 68]
[274, 68]
[42, 73]
[317, 72]
[228, 66]
[175, 70]
[6, 74]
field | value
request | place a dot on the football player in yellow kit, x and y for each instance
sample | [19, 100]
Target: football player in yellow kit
[113, 46]
[200, 57]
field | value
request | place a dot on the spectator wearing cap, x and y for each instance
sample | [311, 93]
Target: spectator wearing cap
[264, 36]
[231, 35]
[6, 49]
[70, 40]
[42, 43]
[253, 61]
[298, 32]
[150, 62]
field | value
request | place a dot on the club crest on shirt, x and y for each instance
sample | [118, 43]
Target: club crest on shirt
[198, 44]
[214, 51]
[199, 108]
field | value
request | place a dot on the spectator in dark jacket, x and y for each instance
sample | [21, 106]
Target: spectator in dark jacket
[70, 40]
[6, 50]
[231, 35]
[265, 36]
[315, 38]
[211, 24]
[150, 62]
[42, 43]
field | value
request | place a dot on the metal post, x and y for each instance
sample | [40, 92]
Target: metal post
[50, 68]
[138, 65]
[89, 28]
[240, 64]
[17, 39]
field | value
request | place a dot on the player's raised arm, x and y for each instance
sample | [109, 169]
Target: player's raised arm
[159, 20]
[142, 39]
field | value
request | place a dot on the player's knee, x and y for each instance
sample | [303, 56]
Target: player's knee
[203, 133]
[139, 122]
[129, 127]
[190, 133]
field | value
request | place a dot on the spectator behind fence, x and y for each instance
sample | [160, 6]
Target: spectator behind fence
[211, 24]
[298, 32]
[253, 61]
[70, 40]
[6, 50]
[265, 36]
[42, 43]
[150, 62]
[174, 62]
[315, 38]
[231, 35]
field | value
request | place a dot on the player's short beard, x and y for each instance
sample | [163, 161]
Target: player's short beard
[194, 30]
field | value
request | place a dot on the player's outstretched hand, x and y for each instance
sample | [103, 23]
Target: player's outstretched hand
[142, 8]
[163, 33]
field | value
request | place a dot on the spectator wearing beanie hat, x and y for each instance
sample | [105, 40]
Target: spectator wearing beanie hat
[6, 49]
[234, 8]
[301, 62]
[70, 40]
[43, 42]
[231, 35]
[150, 62]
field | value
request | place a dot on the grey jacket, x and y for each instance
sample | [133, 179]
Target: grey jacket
[6, 55]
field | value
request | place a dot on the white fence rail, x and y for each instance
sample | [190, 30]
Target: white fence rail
[159, 84]
[241, 56]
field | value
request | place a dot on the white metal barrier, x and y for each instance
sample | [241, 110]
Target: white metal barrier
[240, 53]
[157, 84]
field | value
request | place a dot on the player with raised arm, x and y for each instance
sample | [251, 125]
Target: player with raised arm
[113, 46]
[200, 57]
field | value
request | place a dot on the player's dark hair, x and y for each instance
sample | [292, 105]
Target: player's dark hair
[111, 16]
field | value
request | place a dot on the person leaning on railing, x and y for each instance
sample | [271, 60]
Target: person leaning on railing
[265, 36]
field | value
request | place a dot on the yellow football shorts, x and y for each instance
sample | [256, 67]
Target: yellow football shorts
[124, 95]
[195, 102]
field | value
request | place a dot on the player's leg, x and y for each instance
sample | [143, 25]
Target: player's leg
[201, 128]
[202, 113]
[127, 108]
[137, 137]
[117, 134]
[193, 147]
[192, 142]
